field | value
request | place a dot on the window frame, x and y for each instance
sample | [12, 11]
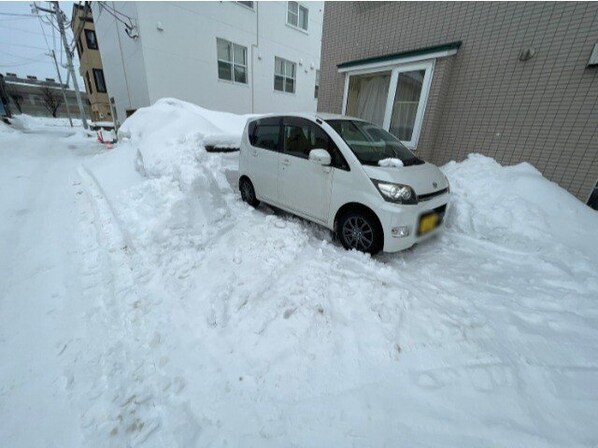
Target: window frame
[267, 121]
[252, 7]
[395, 70]
[97, 71]
[285, 77]
[232, 62]
[332, 147]
[88, 79]
[300, 7]
[317, 85]
[95, 37]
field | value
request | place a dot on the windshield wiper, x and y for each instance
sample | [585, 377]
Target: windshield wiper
[413, 161]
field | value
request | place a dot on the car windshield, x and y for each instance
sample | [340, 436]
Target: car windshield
[370, 143]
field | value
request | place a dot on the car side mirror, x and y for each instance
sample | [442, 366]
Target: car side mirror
[320, 156]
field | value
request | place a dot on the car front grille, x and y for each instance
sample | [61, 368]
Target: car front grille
[427, 197]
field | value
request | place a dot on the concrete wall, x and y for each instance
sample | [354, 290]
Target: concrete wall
[484, 99]
[180, 59]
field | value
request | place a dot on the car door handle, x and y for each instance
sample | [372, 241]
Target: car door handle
[286, 162]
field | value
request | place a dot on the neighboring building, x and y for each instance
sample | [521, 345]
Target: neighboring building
[90, 61]
[514, 81]
[29, 96]
[4, 108]
[238, 57]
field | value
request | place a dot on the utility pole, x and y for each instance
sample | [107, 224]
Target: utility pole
[69, 61]
[69, 58]
[66, 103]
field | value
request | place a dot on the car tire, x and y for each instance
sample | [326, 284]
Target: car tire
[248, 192]
[361, 231]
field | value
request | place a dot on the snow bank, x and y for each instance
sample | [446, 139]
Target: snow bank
[170, 134]
[517, 206]
[26, 122]
[169, 191]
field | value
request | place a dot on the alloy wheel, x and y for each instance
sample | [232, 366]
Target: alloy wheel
[358, 233]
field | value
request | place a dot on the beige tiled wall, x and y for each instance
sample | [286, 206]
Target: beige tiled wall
[484, 99]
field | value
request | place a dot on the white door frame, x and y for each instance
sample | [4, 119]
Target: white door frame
[395, 70]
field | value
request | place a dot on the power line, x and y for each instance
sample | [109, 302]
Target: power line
[129, 27]
[19, 65]
[13, 19]
[20, 57]
[20, 29]
[16, 15]
[44, 33]
[12, 44]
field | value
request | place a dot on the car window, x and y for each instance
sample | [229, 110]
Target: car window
[265, 134]
[370, 143]
[301, 136]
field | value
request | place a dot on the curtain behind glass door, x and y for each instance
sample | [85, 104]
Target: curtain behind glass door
[367, 97]
[406, 102]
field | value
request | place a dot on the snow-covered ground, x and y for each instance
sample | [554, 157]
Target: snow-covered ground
[143, 304]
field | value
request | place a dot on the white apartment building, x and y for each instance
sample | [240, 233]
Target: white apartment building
[240, 57]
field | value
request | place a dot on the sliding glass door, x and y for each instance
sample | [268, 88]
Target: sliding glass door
[394, 98]
[367, 96]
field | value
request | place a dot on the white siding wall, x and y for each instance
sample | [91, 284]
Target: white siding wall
[180, 60]
[122, 59]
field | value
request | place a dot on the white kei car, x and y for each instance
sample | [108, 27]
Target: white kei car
[351, 176]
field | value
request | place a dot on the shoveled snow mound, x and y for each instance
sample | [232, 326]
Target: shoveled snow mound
[26, 122]
[169, 134]
[518, 207]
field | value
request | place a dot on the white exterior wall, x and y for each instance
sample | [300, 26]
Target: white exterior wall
[181, 59]
[122, 60]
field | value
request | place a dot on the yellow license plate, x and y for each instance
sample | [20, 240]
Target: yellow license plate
[428, 223]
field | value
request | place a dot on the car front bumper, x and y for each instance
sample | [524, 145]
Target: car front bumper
[397, 220]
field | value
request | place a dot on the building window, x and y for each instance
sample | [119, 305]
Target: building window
[232, 61]
[88, 79]
[98, 75]
[90, 37]
[317, 88]
[394, 99]
[284, 75]
[297, 15]
[247, 4]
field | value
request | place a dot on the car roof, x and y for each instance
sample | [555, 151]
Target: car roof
[311, 115]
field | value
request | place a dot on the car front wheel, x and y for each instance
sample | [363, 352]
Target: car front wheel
[361, 231]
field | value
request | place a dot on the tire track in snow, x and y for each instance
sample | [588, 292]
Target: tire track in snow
[125, 407]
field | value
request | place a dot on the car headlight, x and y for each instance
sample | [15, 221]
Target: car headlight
[398, 193]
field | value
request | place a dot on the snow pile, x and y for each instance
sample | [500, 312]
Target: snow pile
[170, 134]
[26, 122]
[168, 191]
[518, 207]
[391, 162]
